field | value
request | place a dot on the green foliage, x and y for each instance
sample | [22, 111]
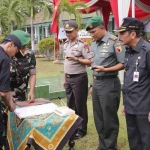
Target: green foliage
[11, 15]
[46, 44]
[65, 6]
[2, 37]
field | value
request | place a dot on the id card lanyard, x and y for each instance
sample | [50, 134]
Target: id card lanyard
[136, 73]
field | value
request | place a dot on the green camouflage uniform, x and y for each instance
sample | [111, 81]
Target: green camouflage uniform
[22, 67]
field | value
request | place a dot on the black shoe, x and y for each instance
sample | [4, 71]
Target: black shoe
[79, 136]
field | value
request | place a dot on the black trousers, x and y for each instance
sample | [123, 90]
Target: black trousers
[106, 99]
[138, 129]
[76, 93]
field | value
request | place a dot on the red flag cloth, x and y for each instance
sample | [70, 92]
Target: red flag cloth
[55, 25]
[114, 7]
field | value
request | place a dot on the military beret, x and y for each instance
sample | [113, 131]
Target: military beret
[70, 25]
[93, 23]
[23, 36]
[13, 38]
[130, 24]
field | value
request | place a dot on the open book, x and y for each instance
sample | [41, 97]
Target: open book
[64, 111]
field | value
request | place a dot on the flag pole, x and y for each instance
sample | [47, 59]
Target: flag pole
[54, 45]
[133, 8]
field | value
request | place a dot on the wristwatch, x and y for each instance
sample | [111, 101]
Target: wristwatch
[91, 85]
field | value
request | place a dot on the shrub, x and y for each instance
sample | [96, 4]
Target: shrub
[46, 46]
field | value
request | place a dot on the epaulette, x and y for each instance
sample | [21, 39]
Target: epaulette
[113, 38]
[66, 41]
[81, 41]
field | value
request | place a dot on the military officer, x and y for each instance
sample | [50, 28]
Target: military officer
[136, 88]
[23, 70]
[77, 56]
[107, 60]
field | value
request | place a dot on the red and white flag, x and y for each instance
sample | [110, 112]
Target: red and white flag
[55, 24]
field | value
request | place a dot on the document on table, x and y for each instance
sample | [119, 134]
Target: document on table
[23, 112]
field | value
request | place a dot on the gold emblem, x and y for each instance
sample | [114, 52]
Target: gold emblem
[90, 26]
[67, 25]
[68, 76]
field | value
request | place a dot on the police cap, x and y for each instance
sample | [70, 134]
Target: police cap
[130, 24]
[70, 25]
[93, 23]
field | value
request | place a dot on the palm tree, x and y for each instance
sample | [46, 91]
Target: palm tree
[65, 6]
[11, 15]
[31, 7]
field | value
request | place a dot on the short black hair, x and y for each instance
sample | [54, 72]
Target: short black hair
[139, 33]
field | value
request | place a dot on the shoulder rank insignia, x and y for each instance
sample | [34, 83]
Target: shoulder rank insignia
[66, 41]
[113, 38]
[81, 41]
[117, 44]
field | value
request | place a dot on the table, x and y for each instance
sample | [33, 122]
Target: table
[44, 132]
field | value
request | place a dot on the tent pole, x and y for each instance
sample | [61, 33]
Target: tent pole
[133, 8]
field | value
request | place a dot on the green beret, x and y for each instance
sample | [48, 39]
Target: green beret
[93, 23]
[23, 36]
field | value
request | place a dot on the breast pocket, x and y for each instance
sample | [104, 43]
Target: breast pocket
[142, 68]
[77, 53]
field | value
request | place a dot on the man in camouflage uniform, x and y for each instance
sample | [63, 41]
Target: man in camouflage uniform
[23, 69]
[108, 59]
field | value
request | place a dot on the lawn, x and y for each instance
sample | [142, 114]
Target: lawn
[46, 69]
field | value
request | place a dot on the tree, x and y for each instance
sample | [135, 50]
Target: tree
[11, 15]
[31, 7]
[65, 6]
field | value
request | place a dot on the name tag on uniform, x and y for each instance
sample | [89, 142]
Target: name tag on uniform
[136, 76]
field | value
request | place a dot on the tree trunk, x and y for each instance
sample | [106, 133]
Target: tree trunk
[11, 26]
[32, 32]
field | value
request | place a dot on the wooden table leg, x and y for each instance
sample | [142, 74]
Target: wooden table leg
[72, 142]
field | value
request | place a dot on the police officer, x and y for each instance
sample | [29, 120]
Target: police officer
[23, 70]
[107, 60]
[77, 55]
[136, 88]
[9, 46]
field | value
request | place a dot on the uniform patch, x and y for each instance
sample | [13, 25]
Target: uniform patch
[118, 49]
[86, 47]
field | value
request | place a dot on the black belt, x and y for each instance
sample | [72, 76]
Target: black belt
[104, 77]
[73, 75]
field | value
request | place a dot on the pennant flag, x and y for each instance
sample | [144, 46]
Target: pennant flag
[55, 25]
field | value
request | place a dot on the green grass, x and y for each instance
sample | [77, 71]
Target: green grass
[46, 68]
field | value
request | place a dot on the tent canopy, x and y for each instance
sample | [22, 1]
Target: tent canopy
[142, 8]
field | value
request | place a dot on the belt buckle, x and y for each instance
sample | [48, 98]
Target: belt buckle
[95, 77]
[68, 76]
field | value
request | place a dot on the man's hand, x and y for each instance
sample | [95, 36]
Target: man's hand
[149, 116]
[90, 91]
[98, 68]
[31, 97]
[72, 58]
[64, 84]
[123, 110]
